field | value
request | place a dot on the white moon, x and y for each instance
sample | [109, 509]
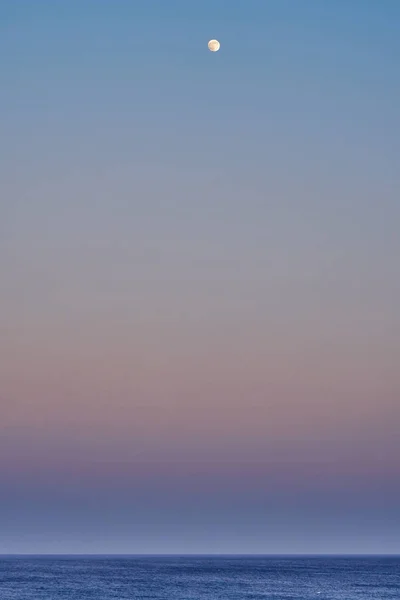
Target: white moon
[214, 45]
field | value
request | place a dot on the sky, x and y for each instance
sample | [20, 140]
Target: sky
[199, 276]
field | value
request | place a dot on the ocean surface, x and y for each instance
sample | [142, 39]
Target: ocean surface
[192, 578]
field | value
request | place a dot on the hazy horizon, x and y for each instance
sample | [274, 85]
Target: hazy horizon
[172, 555]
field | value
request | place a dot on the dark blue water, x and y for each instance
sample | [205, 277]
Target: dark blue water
[192, 578]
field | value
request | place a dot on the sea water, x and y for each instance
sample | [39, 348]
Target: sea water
[195, 578]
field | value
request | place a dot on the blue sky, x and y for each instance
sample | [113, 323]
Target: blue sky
[199, 264]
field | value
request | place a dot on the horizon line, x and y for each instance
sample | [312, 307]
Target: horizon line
[205, 555]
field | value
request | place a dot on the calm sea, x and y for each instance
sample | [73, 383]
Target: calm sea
[192, 578]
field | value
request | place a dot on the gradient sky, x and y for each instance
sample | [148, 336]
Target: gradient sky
[200, 276]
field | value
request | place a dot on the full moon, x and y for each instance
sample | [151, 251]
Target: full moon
[214, 45]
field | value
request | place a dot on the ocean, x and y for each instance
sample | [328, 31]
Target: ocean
[195, 578]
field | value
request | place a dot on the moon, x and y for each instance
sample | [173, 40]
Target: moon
[214, 45]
